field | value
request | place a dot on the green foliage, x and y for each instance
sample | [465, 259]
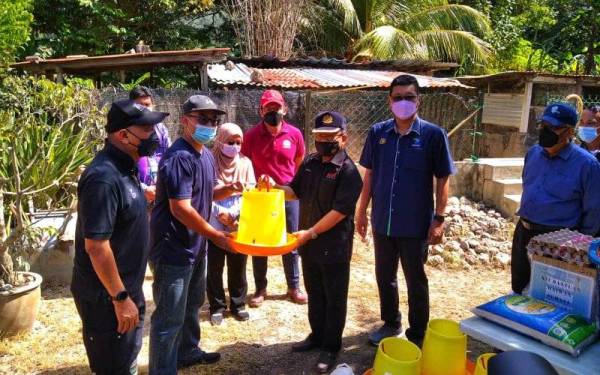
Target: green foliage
[410, 29]
[15, 27]
[53, 131]
[97, 27]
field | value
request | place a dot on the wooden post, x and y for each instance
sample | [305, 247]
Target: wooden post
[204, 77]
[59, 76]
[307, 121]
[524, 126]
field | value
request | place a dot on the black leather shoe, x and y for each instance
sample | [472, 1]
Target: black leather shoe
[325, 362]
[241, 315]
[304, 346]
[199, 358]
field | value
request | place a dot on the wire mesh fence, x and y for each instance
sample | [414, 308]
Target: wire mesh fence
[361, 108]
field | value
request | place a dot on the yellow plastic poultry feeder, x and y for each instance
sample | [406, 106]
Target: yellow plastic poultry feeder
[261, 229]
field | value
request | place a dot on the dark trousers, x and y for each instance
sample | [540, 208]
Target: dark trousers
[178, 293]
[327, 288]
[236, 279]
[290, 260]
[519, 266]
[108, 351]
[412, 254]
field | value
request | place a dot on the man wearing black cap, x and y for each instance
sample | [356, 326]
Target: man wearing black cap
[179, 230]
[111, 244]
[560, 182]
[328, 186]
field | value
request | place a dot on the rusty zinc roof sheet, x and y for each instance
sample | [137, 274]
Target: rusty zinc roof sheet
[314, 78]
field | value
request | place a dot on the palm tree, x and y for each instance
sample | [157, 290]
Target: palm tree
[401, 29]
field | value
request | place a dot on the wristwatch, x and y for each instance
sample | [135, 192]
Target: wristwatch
[313, 234]
[439, 218]
[121, 296]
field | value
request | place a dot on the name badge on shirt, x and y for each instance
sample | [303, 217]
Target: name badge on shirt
[287, 144]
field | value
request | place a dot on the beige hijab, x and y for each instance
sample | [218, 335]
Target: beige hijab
[229, 170]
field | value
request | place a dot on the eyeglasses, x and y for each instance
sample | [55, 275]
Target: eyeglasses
[206, 120]
[234, 143]
[410, 98]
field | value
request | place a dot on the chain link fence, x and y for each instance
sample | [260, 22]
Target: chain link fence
[361, 108]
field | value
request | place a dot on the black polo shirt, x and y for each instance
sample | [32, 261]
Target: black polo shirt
[111, 206]
[322, 187]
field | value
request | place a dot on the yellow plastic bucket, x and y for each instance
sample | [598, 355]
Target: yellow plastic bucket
[396, 356]
[262, 218]
[444, 348]
[481, 367]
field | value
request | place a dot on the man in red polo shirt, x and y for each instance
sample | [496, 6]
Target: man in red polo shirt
[276, 149]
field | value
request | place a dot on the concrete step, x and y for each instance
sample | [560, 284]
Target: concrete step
[502, 168]
[510, 204]
[495, 190]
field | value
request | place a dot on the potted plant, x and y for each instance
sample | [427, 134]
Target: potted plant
[47, 133]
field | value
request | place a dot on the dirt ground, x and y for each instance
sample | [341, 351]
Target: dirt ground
[261, 345]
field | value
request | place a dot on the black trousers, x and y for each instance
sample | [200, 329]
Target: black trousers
[520, 267]
[412, 254]
[108, 351]
[236, 279]
[327, 289]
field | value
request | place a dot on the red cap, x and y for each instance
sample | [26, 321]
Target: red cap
[271, 96]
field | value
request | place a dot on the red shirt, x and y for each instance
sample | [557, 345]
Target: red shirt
[274, 155]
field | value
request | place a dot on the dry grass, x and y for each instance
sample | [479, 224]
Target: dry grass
[261, 345]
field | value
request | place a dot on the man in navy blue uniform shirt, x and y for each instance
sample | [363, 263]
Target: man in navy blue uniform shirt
[179, 229]
[111, 242]
[401, 157]
[560, 188]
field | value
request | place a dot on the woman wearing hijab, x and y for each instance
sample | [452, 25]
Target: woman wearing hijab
[232, 168]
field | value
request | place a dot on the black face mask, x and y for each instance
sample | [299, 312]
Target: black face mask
[273, 118]
[147, 146]
[327, 148]
[547, 138]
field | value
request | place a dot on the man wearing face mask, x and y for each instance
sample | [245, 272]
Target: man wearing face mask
[276, 149]
[401, 157]
[327, 186]
[148, 165]
[111, 242]
[179, 230]
[560, 188]
[588, 131]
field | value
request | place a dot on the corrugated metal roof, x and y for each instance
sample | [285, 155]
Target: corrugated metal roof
[270, 62]
[310, 78]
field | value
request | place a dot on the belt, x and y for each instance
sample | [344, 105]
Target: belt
[538, 227]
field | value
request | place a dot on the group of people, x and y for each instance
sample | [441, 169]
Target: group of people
[193, 197]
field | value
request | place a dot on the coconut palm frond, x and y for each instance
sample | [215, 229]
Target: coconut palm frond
[447, 17]
[454, 45]
[390, 43]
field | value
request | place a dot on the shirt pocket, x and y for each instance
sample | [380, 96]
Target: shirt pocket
[561, 186]
[414, 160]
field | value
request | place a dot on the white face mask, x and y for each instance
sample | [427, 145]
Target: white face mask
[231, 151]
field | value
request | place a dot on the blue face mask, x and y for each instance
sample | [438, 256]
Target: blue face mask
[204, 134]
[587, 133]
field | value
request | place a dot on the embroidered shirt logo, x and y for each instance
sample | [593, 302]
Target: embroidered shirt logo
[287, 144]
[132, 192]
[382, 141]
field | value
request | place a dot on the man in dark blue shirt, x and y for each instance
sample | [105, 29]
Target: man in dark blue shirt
[111, 242]
[401, 157]
[560, 188]
[179, 229]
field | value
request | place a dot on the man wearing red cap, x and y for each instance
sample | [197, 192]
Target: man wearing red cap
[276, 149]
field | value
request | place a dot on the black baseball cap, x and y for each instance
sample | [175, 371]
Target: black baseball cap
[124, 113]
[330, 122]
[200, 103]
